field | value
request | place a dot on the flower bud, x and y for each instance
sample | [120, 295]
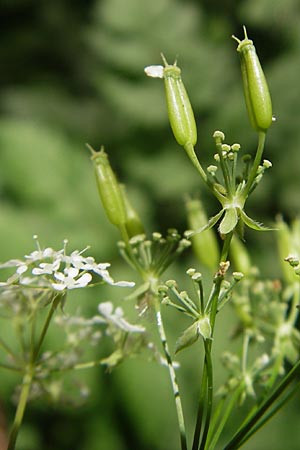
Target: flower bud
[109, 188]
[180, 111]
[256, 91]
[205, 244]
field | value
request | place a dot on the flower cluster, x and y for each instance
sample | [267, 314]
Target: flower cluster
[58, 271]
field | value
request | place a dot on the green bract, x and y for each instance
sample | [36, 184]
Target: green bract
[256, 91]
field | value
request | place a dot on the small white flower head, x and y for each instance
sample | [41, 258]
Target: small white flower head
[154, 71]
[71, 279]
[116, 318]
[55, 269]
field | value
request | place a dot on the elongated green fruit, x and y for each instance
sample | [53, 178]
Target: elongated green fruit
[256, 91]
[205, 244]
[109, 188]
[133, 223]
[180, 111]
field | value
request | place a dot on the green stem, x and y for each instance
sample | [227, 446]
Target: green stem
[210, 387]
[239, 437]
[213, 302]
[172, 374]
[216, 434]
[224, 168]
[28, 377]
[26, 385]
[257, 160]
[54, 305]
[273, 411]
[189, 148]
[200, 410]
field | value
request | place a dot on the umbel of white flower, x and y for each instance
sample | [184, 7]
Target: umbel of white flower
[57, 270]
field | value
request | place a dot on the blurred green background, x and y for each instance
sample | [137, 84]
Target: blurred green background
[71, 73]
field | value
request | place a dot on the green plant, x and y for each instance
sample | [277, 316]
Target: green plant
[266, 367]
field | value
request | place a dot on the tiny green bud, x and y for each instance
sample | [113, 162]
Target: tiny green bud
[191, 271]
[235, 147]
[108, 187]
[212, 169]
[226, 148]
[267, 164]
[219, 137]
[256, 91]
[238, 276]
[197, 277]
[171, 284]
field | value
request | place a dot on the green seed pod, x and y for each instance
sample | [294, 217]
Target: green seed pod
[204, 244]
[109, 188]
[133, 223]
[256, 91]
[240, 256]
[180, 111]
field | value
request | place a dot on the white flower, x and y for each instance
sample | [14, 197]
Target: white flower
[154, 71]
[46, 268]
[100, 270]
[116, 318]
[38, 255]
[68, 280]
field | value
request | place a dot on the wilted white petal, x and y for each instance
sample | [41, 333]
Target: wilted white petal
[154, 71]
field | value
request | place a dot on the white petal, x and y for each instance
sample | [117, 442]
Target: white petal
[83, 280]
[105, 308]
[154, 71]
[124, 283]
[58, 287]
[71, 272]
[21, 269]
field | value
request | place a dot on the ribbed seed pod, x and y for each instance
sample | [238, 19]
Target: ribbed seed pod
[109, 188]
[205, 244]
[180, 111]
[133, 223]
[256, 91]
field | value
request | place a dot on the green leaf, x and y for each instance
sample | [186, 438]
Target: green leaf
[253, 224]
[188, 337]
[212, 221]
[229, 221]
